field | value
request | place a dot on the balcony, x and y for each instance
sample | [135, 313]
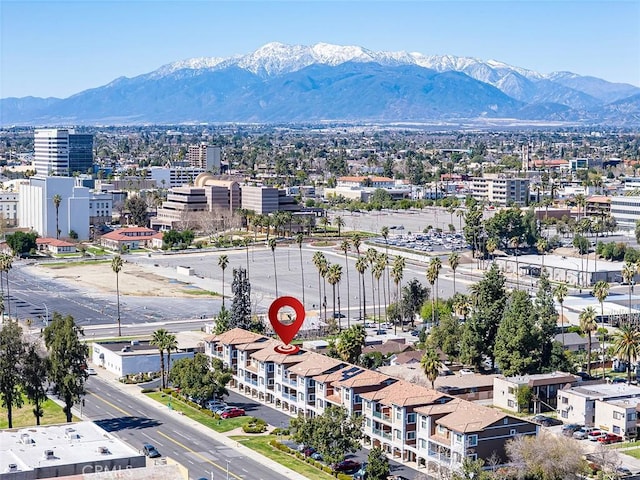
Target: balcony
[290, 381]
[382, 416]
[251, 381]
[381, 433]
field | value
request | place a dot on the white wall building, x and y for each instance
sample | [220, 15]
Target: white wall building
[9, 208]
[37, 211]
[61, 151]
[204, 156]
[174, 176]
[626, 211]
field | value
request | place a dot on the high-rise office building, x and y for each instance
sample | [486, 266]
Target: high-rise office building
[204, 156]
[61, 152]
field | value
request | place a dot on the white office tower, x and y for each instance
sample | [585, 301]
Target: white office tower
[204, 156]
[61, 152]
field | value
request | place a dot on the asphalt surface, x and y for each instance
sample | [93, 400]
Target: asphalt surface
[136, 423]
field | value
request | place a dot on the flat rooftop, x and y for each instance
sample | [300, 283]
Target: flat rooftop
[604, 391]
[68, 444]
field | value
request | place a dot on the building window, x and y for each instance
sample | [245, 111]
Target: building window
[511, 404]
[512, 432]
[565, 400]
[618, 416]
[423, 422]
[398, 414]
[411, 435]
[473, 440]
[411, 418]
[398, 434]
[458, 438]
[616, 429]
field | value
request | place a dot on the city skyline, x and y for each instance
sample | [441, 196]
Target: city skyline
[61, 48]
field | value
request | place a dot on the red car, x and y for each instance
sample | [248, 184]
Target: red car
[609, 438]
[347, 466]
[232, 412]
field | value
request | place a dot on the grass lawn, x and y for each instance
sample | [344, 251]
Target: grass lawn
[223, 425]
[261, 445]
[197, 291]
[634, 452]
[618, 446]
[75, 264]
[23, 417]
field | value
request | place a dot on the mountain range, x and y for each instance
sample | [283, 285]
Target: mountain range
[292, 83]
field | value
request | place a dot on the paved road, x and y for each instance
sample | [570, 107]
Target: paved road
[136, 423]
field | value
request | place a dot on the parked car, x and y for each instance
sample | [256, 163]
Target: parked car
[215, 405]
[361, 474]
[150, 451]
[347, 466]
[623, 471]
[583, 432]
[91, 371]
[569, 429]
[595, 435]
[231, 412]
[546, 421]
[608, 438]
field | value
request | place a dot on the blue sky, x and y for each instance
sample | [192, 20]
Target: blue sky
[52, 48]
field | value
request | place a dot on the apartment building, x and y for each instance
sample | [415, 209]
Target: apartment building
[204, 156]
[9, 208]
[306, 383]
[609, 406]
[100, 208]
[450, 432]
[500, 190]
[544, 389]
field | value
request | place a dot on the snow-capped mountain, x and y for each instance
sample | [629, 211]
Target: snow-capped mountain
[279, 82]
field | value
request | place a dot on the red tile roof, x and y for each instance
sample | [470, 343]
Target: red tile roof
[54, 242]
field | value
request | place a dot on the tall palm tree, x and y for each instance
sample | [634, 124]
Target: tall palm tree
[246, 243]
[324, 221]
[601, 292]
[356, 241]
[6, 262]
[159, 340]
[334, 275]
[491, 246]
[372, 257]
[171, 344]
[542, 245]
[57, 200]
[319, 261]
[433, 272]
[560, 293]
[223, 262]
[299, 239]
[514, 242]
[397, 272]
[338, 221]
[116, 266]
[377, 270]
[361, 267]
[628, 272]
[461, 305]
[384, 231]
[383, 260]
[454, 261]
[626, 346]
[344, 246]
[588, 324]
[272, 246]
[431, 364]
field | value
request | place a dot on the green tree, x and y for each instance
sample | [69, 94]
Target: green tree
[361, 267]
[299, 240]
[334, 275]
[241, 305]
[272, 246]
[222, 321]
[397, 272]
[116, 266]
[57, 200]
[171, 344]
[377, 465]
[446, 335]
[344, 246]
[223, 263]
[547, 319]
[137, 207]
[473, 225]
[12, 349]
[159, 340]
[198, 377]
[629, 271]
[430, 364]
[22, 243]
[626, 345]
[433, 272]
[338, 221]
[34, 373]
[320, 262]
[587, 325]
[517, 343]
[337, 433]
[601, 292]
[413, 297]
[454, 262]
[637, 231]
[67, 359]
[472, 344]
[350, 343]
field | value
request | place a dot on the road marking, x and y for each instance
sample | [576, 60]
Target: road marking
[199, 455]
[110, 404]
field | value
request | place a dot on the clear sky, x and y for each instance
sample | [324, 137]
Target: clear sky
[54, 48]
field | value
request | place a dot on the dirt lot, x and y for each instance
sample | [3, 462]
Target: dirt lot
[133, 279]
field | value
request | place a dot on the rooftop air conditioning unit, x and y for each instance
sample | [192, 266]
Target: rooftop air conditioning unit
[103, 450]
[48, 454]
[135, 342]
[25, 439]
[12, 467]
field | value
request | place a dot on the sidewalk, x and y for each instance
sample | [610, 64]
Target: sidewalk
[223, 438]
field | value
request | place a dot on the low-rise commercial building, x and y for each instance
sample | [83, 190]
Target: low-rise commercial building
[500, 190]
[543, 388]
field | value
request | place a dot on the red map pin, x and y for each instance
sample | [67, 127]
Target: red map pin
[286, 332]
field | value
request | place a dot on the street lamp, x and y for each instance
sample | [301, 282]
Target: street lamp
[227, 468]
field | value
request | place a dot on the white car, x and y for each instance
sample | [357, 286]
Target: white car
[91, 371]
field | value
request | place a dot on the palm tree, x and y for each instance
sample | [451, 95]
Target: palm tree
[159, 339]
[246, 243]
[344, 246]
[318, 261]
[587, 325]
[272, 246]
[338, 222]
[542, 245]
[454, 261]
[57, 200]
[299, 239]
[356, 241]
[626, 346]
[6, 262]
[491, 246]
[397, 272]
[628, 272]
[433, 272]
[324, 221]
[171, 343]
[334, 275]
[560, 293]
[371, 257]
[223, 262]
[461, 305]
[377, 270]
[384, 231]
[116, 266]
[431, 364]
[361, 267]
[515, 243]
[601, 292]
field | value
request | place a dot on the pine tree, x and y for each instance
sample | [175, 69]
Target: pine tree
[11, 354]
[547, 319]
